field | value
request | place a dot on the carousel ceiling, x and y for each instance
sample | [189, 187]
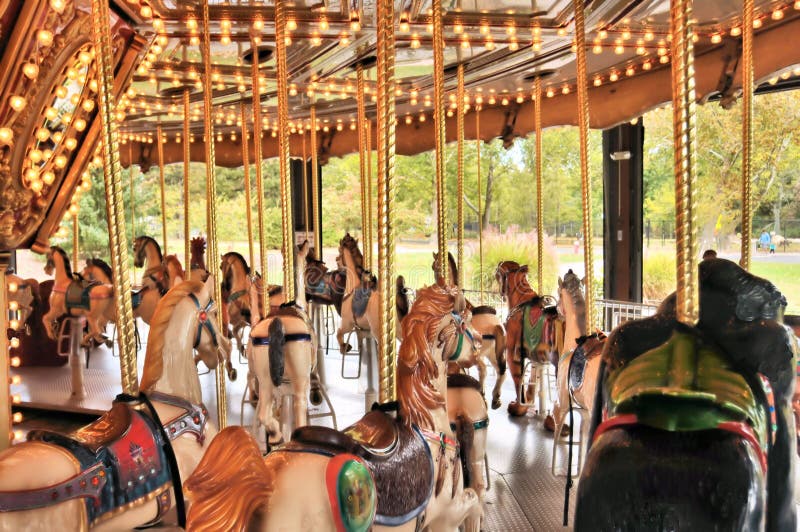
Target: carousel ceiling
[504, 46]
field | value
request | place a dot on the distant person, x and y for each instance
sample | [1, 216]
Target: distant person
[709, 254]
[764, 240]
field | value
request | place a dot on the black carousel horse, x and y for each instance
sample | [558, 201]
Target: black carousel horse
[692, 426]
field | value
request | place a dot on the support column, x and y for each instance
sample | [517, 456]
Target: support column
[299, 190]
[622, 208]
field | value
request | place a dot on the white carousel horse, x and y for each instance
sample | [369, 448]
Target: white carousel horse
[578, 364]
[44, 486]
[360, 304]
[282, 348]
[154, 283]
[491, 333]
[382, 473]
[72, 296]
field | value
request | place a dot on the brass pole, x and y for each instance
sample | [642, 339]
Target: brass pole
[186, 155]
[361, 118]
[305, 186]
[162, 184]
[258, 155]
[131, 177]
[211, 198]
[284, 156]
[370, 216]
[6, 432]
[315, 185]
[247, 185]
[115, 213]
[685, 143]
[480, 217]
[386, 193]
[75, 242]
[586, 183]
[460, 176]
[537, 125]
[747, 132]
[439, 139]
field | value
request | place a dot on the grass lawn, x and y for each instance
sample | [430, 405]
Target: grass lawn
[786, 277]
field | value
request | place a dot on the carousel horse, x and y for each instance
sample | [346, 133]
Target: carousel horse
[74, 296]
[578, 361]
[22, 297]
[197, 265]
[282, 349]
[123, 470]
[97, 271]
[154, 284]
[492, 334]
[174, 270]
[692, 425]
[360, 302]
[400, 471]
[324, 287]
[524, 333]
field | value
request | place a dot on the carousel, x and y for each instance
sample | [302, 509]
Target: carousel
[120, 383]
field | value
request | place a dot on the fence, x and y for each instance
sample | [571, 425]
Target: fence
[613, 312]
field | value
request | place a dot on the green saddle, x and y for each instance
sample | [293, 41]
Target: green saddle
[532, 332]
[78, 294]
[680, 386]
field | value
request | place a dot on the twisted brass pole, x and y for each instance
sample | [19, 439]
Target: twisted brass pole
[305, 188]
[460, 175]
[315, 184]
[361, 118]
[747, 132]
[537, 126]
[439, 139]
[370, 216]
[586, 182]
[258, 155]
[186, 169]
[112, 177]
[162, 184]
[480, 217]
[386, 193]
[247, 185]
[283, 150]
[211, 199]
[75, 240]
[685, 143]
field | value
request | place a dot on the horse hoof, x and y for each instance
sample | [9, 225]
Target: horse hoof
[565, 431]
[496, 403]
[347, 348]
[515, 409]
[550, 424]
[232, 374]
[315, 397]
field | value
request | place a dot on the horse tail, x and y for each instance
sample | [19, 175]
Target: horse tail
[500, 348]
[277, 341]
[230, 484]
[401, 298]
[465, 434]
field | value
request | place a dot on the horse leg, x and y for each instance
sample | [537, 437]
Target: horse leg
[345, 326]
[48, 320]
[482, 373]
[465, 508]
[498, 383]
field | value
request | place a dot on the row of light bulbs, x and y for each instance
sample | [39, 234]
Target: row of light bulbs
[14, 361]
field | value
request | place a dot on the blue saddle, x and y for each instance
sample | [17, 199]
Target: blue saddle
[360, 300]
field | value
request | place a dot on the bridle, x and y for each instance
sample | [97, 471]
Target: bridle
[204, 321]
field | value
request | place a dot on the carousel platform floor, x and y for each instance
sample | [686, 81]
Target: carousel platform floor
[523, 496]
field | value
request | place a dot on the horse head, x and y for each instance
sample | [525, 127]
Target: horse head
[506, 272]
[451, 264]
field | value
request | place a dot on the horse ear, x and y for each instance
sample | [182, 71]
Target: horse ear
[524, 269]
[560, 281]
[583, 281]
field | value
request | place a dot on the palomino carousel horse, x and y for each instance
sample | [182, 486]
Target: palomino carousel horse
[360, 303]
[73, 296]
[237, 288]
[692, 426]
[491, 333]
[123, 470]
[386, 471]
[578, 361]
[282, 349]
[154, 284]
[524, 333]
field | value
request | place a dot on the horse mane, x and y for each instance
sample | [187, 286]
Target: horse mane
[103, 265]
[146, 239]
[154, 357]
[416, 369]
[239, 257]
[572, 284]
[64, 258]
[230, 484]
[198, 250]
[173, 260]
[351, 244]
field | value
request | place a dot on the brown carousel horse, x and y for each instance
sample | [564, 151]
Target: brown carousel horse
[388, 471]
[123, 471]
[360, 302]
[74, 296]
[325, 287]
[525, 326]
[490, 333]
[154, 283]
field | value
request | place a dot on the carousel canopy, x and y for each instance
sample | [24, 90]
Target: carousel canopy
[49, 124]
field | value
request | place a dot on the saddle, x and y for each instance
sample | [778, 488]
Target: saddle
[483, 309]
[361, 297]
[396, 455]
[137, 294]
[77, 295]
[122, 459]
[462, 380]
[588, 348]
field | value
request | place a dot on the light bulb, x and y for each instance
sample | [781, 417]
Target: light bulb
[31, 70]
[17, 103]
[45, 37]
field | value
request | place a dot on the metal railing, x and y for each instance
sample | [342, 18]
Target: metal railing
[612, 312]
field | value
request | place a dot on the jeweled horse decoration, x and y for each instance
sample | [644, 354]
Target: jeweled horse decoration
[492, 336]
[74, 296]
[385, 472]
[578, 361]
[693, 427]
[154, 283]
[282, 349]
[524, 332]
[121, 471]
[360, 302]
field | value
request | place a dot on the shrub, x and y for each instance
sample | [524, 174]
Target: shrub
[658, 276]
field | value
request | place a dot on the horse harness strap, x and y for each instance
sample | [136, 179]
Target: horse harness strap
[477, 425]
[203, 321]
[236, 295]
